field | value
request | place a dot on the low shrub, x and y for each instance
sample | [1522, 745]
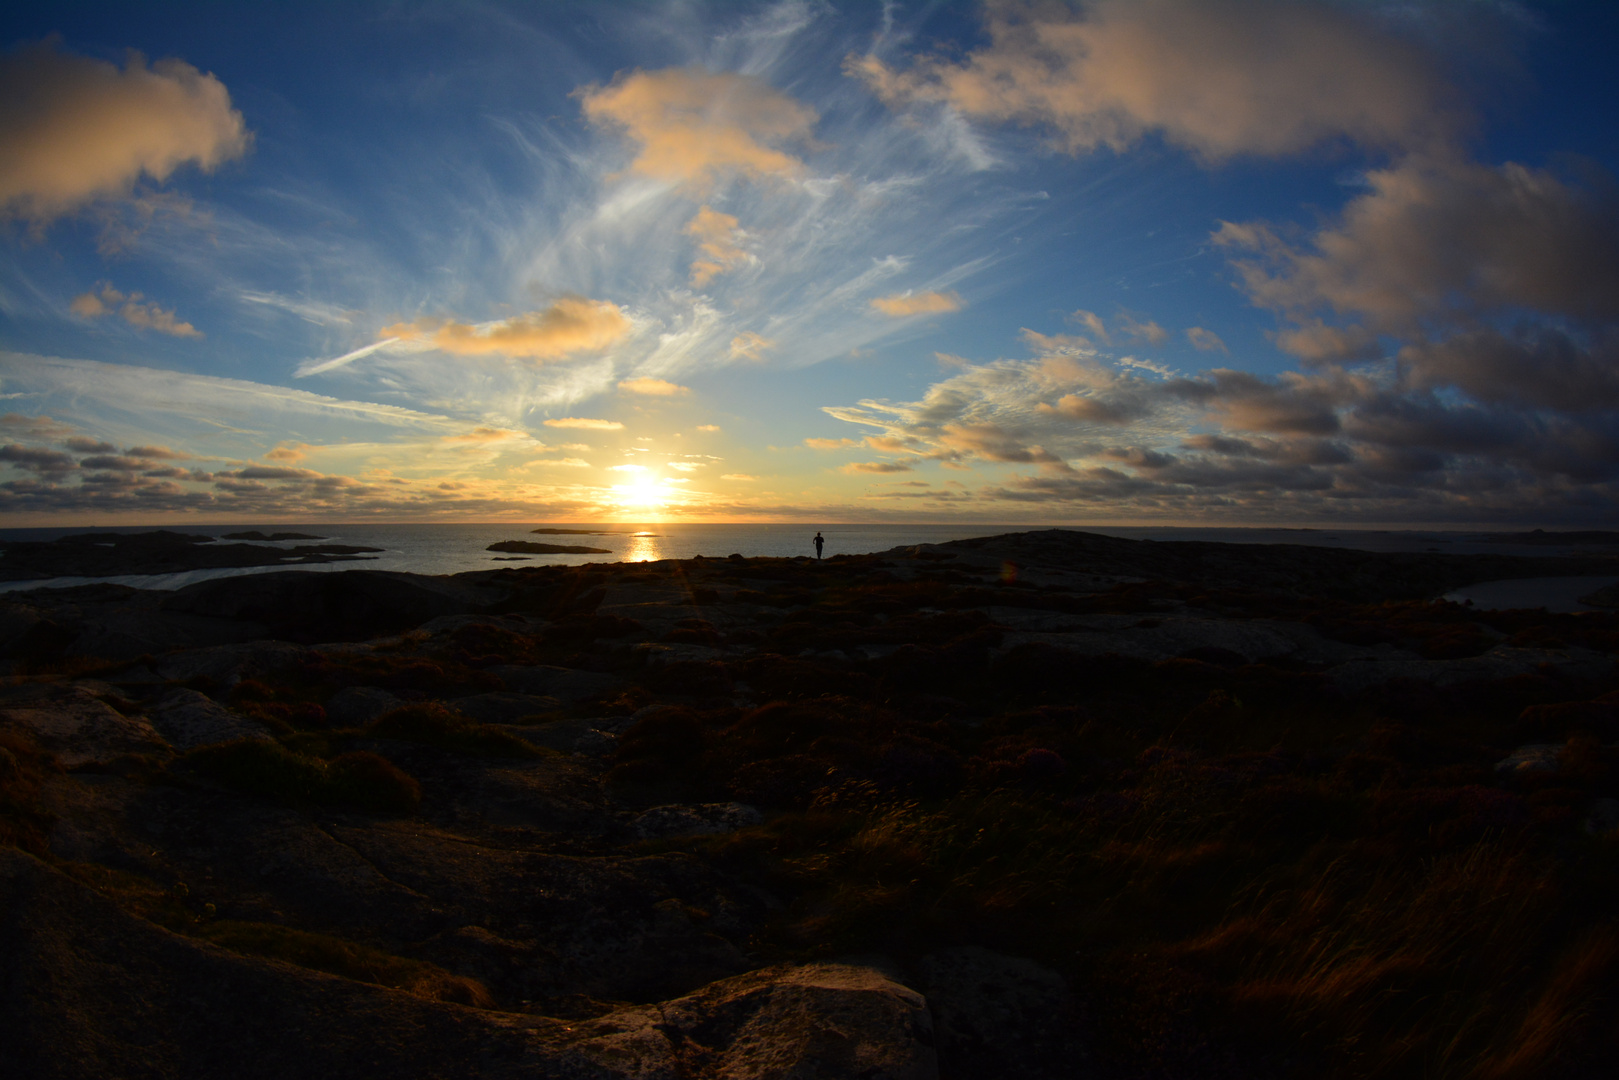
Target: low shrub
[362, 778]
[266, 768]
[434, 725]
[335, 956]
[23, 766]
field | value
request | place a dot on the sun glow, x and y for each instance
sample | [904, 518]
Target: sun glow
[642, 493]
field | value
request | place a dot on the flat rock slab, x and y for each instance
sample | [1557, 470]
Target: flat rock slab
[80, 730]
[503, 708]
[1157, 638]
[1501, 662]
[224, 666]
[587, 737]
[356, 706]
[188, 720]
[567, 685]
[695, 819]
[613, 927]
[128, 635]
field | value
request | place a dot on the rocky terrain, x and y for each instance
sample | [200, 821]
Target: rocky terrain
[1039, 805]
[161, 552]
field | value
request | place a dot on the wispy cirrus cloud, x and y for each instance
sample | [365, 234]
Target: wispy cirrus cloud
[207, 415]
[750, 346]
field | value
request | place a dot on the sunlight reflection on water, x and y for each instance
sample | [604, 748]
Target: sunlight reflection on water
[644, 547]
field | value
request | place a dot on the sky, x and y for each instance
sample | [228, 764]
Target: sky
[1212, 262]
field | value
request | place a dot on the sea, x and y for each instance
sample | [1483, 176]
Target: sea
[440, 548]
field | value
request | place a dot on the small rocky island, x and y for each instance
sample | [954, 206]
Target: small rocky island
[533, 547]
[271, 538]
[103, 554]
[1043, 805]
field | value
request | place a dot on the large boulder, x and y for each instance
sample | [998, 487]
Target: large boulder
[817, 1021]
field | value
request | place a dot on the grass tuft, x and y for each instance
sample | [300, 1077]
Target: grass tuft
[335, 956]
[359, 779]
[23, 767]
[434, 725]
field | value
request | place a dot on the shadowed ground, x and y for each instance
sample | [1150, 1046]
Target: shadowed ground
[1043, 805]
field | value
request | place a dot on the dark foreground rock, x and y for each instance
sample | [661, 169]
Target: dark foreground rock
[92, 992]
[1045, 805]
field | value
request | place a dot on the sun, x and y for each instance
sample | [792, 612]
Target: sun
[645, 493]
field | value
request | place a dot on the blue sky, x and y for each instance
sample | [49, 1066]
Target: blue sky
[1163, 261]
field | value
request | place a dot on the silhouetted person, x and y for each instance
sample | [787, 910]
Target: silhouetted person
[820, 542]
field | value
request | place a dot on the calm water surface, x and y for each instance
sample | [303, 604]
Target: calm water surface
[452, 549]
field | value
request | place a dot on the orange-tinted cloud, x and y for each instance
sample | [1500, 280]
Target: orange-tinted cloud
[1219, 77]
[291, 453]
[1205, 340]
[573, 324]
[900, 305]
[1142, 333]
[585, 422]
[749, 346]
[717, 235]
[92, 305]
[653, 387]
[876, 467]
[829, 444]
[484, 435]
[696, 127]
[738, 476]
[76, 129]
[1092, 322]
